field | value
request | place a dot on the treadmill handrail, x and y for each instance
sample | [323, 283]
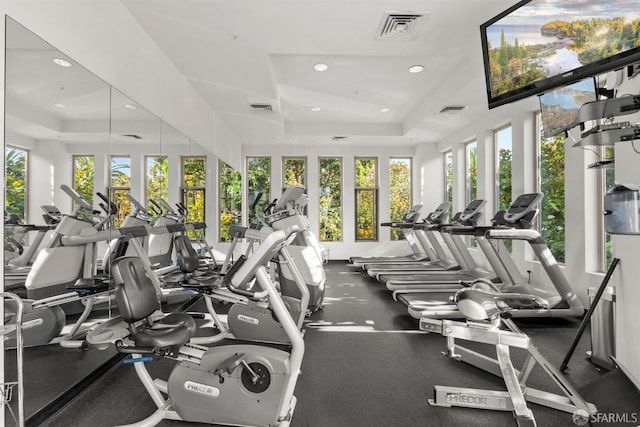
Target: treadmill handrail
[514, 234]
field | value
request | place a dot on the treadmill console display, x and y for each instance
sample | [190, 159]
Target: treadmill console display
[440, 213]
[522, 205]
[472, 208]
[413, 214]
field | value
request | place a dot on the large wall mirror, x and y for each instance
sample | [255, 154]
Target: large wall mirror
[66, 128]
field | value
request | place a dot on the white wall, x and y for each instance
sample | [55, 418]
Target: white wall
[625, 279]
[349, 247]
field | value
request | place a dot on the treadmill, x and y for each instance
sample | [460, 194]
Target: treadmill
[406, 225]
[463, 267]
[425, 232]
[516, 225]
[408, 281]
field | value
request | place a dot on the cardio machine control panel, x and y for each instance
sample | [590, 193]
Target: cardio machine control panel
[522, 206]
[439, 215]
[473, 208]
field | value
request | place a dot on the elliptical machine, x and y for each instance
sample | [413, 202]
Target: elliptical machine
[308, 255]
[235, 384]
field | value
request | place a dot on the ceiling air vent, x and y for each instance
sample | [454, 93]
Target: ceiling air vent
[132, 136]
[399, 26]
[451, 109]
[338, 138]
[261, 108]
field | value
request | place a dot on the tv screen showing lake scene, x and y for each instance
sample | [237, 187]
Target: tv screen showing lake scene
[560, 106]
[540, 44]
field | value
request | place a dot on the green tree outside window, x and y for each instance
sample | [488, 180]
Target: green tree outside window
[448, 176]
[157, 177]
[194, 188]
[295, 171]
[120, 187]
[503, 145]
[399, 192]
[330, 199]
[84, 177]
[366, 182]
[552, 209]
[259, 180]
[471, 160]
[15, 181]
[230, 199]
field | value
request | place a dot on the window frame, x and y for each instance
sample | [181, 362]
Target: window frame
[496, 164]
[448, 175]
[470, 240]
[284, 170]
[123, 211]
[400, 236]
[374, 191]
[74, 173]
[25, 206]
[238, 214]
[341, 199]
[184, 190]
[146, 175]
[265, 199]
[604, 257]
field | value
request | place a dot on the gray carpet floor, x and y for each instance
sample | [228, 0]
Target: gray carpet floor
[366, 364]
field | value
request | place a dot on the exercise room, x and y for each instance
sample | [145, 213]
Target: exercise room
[320, 213]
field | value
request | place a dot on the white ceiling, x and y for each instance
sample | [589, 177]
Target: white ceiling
[262, 51]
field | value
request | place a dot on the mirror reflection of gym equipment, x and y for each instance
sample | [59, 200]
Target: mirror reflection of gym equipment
[185, 243]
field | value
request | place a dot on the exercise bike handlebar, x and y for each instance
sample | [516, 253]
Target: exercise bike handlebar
[113, 208]
[157, 207]
[136, 204]
[167, 206]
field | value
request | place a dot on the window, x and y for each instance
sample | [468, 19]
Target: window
[84, 177]
[16, 182]
[448, 176]
[294, 171]
[471, 166]
[330, 202]
[230, 199]
[258, 180]
[606, 181]
[551, 184]
[193, 189]
[119, 187]
[502, 138]
[399, 192]
[366, 200]
[471, 182]
[156, 178]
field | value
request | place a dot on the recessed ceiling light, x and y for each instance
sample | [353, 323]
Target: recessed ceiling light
[315, 109]
[416, 68]
[320, 67]
[59, 105]
[61, 62]
[384, 110]
[130, 106]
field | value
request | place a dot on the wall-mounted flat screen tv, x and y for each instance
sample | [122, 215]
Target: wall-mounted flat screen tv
[559, 107]
[538, 45]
